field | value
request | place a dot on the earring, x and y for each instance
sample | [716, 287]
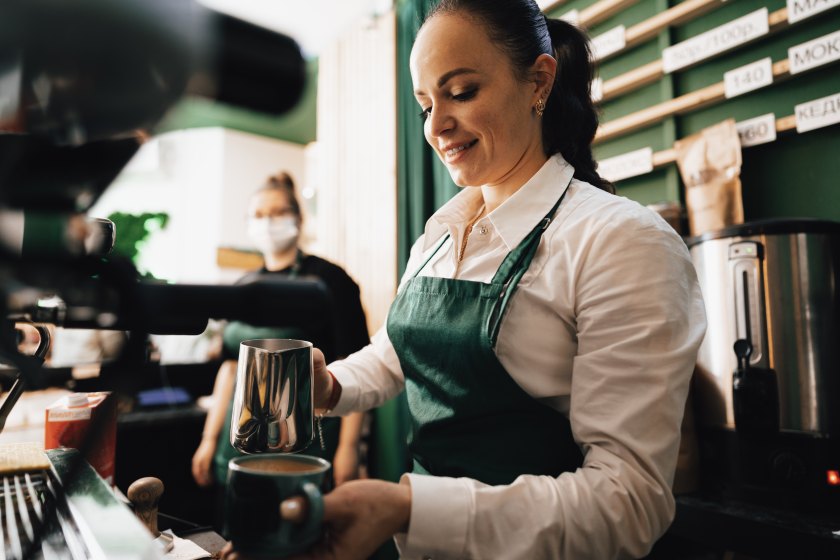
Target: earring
[540, 107]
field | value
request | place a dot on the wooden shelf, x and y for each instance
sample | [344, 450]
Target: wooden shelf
[653, 71]
[704, 97]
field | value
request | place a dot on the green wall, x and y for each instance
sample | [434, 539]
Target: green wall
[298, 125]
[797, 175]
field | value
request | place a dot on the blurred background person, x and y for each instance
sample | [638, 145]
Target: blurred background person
[274, 225]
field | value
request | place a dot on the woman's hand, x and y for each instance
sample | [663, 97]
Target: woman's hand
[202, 461]
[359, 517]
[323, 380]
[345, 464]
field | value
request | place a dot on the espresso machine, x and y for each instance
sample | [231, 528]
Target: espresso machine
[768, 372]
[82, 84]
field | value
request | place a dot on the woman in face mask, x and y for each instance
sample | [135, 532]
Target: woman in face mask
[274, 225]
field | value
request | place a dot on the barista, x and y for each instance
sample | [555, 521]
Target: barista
[274, 225]
[545, 331]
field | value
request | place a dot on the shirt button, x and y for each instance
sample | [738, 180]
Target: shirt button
[483, 231]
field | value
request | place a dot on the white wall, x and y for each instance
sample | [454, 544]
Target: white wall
[356, 161]
[249, 161]
[202, 178]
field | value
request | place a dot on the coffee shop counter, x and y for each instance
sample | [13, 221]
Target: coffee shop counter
[761, 532]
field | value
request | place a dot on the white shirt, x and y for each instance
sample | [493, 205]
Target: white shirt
[604, 327]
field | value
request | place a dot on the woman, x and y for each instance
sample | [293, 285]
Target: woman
[274, 226]
[545, 331]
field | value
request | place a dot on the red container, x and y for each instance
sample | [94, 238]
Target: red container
[74, 417]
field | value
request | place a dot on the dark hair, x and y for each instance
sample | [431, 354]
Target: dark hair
[523, 32]
[283, 182]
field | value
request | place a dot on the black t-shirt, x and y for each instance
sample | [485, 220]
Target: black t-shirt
[347, 332]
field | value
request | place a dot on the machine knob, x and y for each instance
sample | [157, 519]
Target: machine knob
[144, 494]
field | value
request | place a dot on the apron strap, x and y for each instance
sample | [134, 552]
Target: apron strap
[432, 254]
[513, 268]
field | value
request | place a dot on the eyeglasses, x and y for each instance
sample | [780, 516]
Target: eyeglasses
[274, 213]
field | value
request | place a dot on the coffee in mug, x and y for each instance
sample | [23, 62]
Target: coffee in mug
[279, 464]
[257, 485]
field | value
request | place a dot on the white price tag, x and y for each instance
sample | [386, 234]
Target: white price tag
[543, 4]
[821, 50]
[608, 43]
[572, 16]
[818, 113]
[759, 130]
[749, 77]
[597, 89]
[800, 9]
[627, 165]
[715, 41]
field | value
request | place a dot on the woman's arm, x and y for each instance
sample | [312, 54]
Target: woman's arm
[365, 379]
[372, 375]
[202, 460]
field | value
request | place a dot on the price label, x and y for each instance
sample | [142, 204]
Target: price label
[749, 77]
[818, 113]
[608, 43]
[572, 16]
[814, 53]
[759, 130]
[715, 41]
[798, 10]
[597, 89]
[627, 165]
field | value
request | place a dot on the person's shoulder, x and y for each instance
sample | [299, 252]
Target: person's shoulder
[595, 221]
[323, 268]
[601, 210]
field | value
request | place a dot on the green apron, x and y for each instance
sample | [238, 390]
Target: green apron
[469, 418]
[235, 332]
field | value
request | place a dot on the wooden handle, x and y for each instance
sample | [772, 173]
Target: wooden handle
[144, 494]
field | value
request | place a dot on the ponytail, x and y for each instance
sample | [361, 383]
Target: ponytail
[570, 119]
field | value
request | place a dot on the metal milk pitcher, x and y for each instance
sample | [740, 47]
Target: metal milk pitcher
[273, 409]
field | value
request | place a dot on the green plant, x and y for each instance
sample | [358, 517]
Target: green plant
[133, 232]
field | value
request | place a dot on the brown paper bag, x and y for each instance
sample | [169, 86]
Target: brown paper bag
[710, 165]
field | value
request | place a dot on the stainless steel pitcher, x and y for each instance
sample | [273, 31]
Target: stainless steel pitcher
[273, 402]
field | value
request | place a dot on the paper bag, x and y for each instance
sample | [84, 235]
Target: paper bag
[710, 165]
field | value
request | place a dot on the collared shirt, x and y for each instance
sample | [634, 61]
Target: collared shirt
[604, 327]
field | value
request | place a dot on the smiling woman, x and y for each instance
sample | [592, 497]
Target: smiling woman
[478, 114]
[500, 95]
[545, 331]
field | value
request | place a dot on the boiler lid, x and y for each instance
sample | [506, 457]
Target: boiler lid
[769, 227]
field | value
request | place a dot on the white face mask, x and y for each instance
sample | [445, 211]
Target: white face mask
[273, 235]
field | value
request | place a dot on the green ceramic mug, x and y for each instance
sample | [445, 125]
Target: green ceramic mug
[256, 486]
